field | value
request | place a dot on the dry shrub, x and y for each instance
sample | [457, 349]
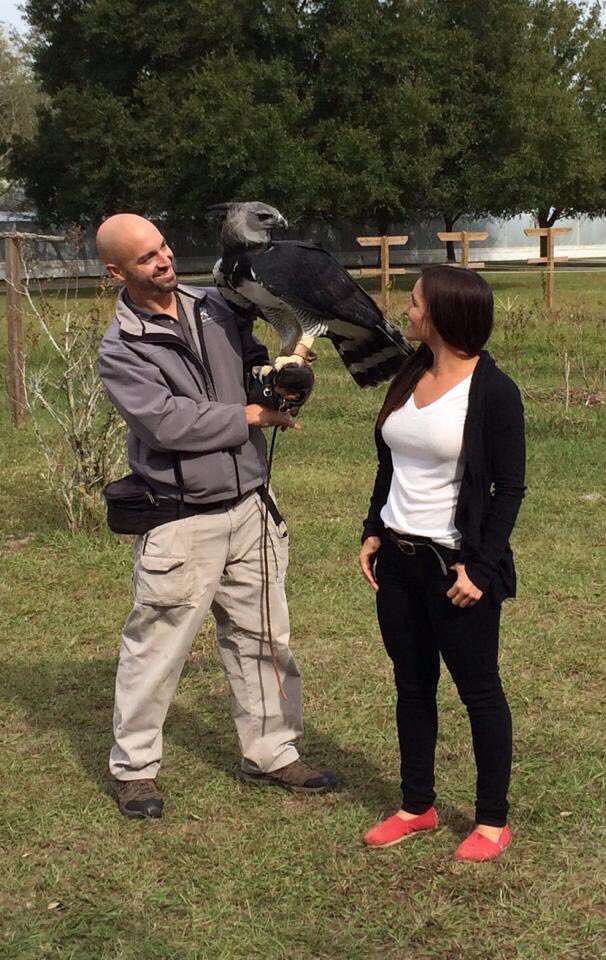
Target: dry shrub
[79, 432]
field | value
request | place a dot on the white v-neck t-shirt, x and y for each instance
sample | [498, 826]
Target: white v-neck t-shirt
[427, 451]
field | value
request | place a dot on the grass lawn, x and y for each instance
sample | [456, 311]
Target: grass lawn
[235, 872]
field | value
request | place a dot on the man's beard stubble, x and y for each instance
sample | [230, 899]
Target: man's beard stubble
[164, 286]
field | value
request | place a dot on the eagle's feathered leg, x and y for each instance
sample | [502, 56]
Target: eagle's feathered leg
[297, 351]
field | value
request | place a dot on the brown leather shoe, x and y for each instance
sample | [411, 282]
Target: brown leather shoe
[138, 798]
[298, 777]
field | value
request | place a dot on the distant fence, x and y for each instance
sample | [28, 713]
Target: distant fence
[196, 246]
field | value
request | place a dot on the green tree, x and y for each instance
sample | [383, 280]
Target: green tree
[19, 96]
[471, 56]
[166, 109]
[370, 107]
[518, 114]
[317, 107]
[237, 131]
[82, 161]
[374, 109]
[159, 152]
[561, 112]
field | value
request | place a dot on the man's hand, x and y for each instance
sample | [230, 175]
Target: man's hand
[463, 592]
[259, 416]
[366, 559]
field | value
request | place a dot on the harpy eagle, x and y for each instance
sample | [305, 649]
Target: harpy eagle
[304, 293]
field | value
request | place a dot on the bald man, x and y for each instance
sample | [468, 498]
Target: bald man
[179, 365]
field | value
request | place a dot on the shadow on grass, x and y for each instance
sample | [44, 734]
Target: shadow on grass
[75, 698]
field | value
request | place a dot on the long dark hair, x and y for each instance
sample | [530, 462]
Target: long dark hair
[460, 306]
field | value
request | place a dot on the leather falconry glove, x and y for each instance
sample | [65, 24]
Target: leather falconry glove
[285, 389]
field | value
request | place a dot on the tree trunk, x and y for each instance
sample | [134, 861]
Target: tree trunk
[542, 218]
[383, 223]
[546, 219]
[449, 222]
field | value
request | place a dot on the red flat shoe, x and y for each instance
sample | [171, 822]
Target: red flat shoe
[476, 848]
[394, 829]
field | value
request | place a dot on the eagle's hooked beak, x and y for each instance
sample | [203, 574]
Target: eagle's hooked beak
[282, 222]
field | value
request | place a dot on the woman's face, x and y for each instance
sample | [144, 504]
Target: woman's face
[419, 325]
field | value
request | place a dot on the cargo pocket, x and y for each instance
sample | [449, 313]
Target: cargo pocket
[162, 581]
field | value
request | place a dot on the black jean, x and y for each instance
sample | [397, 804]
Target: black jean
[418, 623]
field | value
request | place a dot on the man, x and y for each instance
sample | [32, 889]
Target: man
[175, 362]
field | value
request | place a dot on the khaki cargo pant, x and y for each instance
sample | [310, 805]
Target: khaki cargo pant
[212, 561]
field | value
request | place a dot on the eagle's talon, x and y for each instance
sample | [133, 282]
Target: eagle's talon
[280, 362]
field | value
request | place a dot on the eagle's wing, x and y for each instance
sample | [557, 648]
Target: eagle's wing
[237, 282]
[315, 285]
[309, 277]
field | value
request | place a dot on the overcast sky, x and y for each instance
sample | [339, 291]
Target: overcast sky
[10, 15]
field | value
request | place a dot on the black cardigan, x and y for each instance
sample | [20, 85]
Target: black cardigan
[492, 486]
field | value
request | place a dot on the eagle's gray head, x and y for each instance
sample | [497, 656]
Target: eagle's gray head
[246, 224]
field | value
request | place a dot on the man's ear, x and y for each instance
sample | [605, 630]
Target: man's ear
[115, 272]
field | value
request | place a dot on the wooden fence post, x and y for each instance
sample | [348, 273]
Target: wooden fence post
[385, 271]
[463, 237]
[16, 370]
[16, 378]
[550, 260]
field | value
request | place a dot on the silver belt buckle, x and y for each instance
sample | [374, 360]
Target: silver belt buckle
[405, 546]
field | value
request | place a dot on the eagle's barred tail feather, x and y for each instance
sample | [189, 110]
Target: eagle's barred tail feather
[374, 359]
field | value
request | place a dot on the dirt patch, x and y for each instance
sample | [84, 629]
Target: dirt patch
[577, 396]
[13, 544]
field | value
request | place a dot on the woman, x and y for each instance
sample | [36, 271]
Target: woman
[450, 439]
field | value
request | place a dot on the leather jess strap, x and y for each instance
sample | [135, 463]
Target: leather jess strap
[271, 505]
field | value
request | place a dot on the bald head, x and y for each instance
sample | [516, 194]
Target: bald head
[135, 253]
[121, 236]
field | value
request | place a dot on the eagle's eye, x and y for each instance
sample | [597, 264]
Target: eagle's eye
[264, 216]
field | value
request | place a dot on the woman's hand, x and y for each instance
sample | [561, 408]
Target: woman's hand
[463, 592]
[366, 560]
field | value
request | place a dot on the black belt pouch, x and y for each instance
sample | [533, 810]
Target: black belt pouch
[133, 507]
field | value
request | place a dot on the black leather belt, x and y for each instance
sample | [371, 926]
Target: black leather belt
[409, 545]
[193, 509]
